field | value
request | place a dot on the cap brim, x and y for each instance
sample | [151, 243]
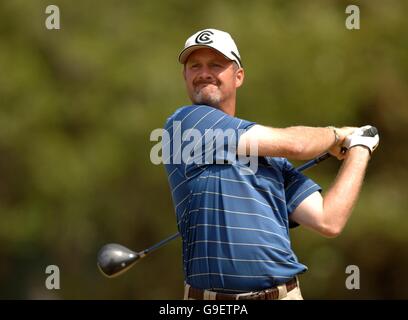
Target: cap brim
[189, 50]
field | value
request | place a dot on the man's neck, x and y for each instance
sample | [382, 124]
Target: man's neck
[228, 108]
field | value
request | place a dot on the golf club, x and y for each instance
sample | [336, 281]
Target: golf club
[114, 259]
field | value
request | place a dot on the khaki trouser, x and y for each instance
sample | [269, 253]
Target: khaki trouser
[294, 294]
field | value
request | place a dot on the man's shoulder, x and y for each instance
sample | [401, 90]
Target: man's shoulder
[189, 110]
[186, 110]
[181, 110]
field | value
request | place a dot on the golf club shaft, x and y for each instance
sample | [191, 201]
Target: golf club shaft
[313, 162]
[301, 168]
[159, 244]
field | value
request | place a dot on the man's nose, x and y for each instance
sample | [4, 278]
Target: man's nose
[205, 73]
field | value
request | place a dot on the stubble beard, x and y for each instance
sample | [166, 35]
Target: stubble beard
[207, 96]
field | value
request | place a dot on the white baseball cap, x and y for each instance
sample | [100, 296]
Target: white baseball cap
[211, 38]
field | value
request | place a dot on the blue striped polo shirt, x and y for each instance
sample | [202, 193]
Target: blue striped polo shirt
[234, 226]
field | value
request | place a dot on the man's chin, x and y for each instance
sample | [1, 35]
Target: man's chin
[207, 100]
[210, 103]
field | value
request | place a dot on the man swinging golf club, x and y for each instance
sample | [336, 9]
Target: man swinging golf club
[234, 221]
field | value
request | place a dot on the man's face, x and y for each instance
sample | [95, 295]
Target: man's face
[211, 79]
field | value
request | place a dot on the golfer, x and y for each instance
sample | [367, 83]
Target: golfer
[235, 220]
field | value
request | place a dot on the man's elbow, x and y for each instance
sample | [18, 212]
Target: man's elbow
[330, 231]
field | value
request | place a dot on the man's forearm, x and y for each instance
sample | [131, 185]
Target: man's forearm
[298, 143]
[308, 142]
[341, 197]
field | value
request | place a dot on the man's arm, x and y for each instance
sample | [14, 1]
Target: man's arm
[297, 143]
[329, 214]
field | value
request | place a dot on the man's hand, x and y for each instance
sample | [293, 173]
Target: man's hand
[366, 136]
[342, 133]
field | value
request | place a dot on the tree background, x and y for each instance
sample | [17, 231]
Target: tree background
[77, 106]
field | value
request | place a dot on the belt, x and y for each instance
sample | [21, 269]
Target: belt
[274, 293]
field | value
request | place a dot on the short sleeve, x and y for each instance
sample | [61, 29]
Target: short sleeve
[208, 135]
[297, 188]
[204, 118]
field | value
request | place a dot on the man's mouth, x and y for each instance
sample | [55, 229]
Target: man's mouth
[202, 85]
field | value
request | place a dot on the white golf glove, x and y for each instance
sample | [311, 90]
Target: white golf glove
[366, 136]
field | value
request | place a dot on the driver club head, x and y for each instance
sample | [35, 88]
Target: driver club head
[114, 259]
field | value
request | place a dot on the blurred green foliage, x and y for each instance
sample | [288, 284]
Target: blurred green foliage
[77, 106]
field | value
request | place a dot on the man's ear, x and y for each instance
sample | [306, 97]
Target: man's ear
[239, 77]
[184, 72]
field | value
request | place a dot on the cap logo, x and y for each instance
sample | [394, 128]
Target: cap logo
[204, 37]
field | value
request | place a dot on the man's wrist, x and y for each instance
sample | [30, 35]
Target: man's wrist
[360, 151]
[335, 133]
